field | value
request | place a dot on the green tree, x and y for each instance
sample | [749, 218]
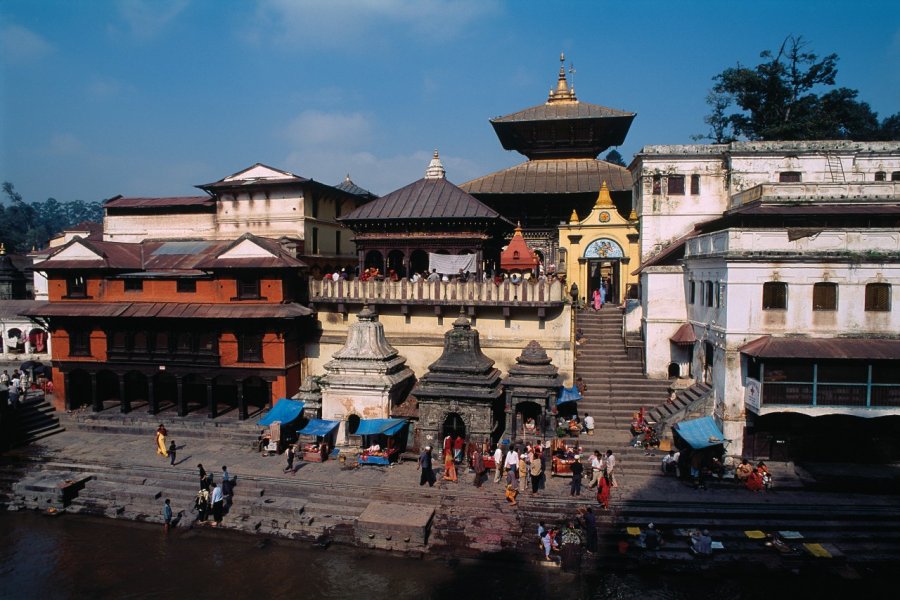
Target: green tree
[784, 98]
[614, 157]
[24, 225]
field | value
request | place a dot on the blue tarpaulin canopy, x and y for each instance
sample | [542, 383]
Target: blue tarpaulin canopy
[376, 426]
[700, 433]
[570, 394]
[319, 427]
[285, 410]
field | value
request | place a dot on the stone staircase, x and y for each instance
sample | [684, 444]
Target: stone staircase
[686, 401]
[616, 389]
[193, 425]
[34, 419]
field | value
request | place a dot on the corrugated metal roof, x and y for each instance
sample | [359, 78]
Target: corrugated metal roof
[10, 309]
[823, 348]
[186, 255]
[181, 247]
[553, 176]
[563, 110]
[424, 199]
[141, 202]
[348, 186]
[168, 310]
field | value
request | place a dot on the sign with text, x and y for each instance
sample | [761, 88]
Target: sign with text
[752, 395]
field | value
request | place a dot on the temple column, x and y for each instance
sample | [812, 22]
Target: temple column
[181, 403]
[151, 397]
[124, 403]
[210, 399]
[95, 397]
[241, 401]
[67, 386]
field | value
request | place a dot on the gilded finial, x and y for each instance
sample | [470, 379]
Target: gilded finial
[562, 93]
[632, 216]
[574, 217]
[2, 248]
[604, 200]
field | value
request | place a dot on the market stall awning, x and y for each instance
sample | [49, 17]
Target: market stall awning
[319, 427]
[285, 411]
[700, 433]
[570, 394]
[684, 336]
[376, 426]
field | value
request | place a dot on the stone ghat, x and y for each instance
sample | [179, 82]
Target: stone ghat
[459, 521]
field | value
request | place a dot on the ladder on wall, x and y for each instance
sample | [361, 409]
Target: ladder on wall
[835, 167]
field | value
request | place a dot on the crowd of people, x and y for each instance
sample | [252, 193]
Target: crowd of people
[374, 273]
[17, 385]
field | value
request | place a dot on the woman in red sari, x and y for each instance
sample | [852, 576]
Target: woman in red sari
[754, 483]
[603, 491]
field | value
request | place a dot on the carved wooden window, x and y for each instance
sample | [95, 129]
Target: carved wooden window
[248, 288]
[76, 287]
[250, 347]
[79, 343]
[878, 296]
[675, 185]
[186, 286]
[825, 296]
[774, 295]
[134, 285]
[695, 185]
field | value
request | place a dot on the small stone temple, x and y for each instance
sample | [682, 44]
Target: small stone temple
[366, 377]
[311, 395]
[461, 393]
[531, 389]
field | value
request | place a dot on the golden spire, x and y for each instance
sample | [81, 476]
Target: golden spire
[574, 218]
[2, 248]
[562, 93]
[603, 198]
[632, 216]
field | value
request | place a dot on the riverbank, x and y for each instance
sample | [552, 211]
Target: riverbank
[124, 479]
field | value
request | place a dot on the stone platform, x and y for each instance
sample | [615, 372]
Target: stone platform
[392, 526]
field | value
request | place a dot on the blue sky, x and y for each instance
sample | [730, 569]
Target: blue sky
[152, 97]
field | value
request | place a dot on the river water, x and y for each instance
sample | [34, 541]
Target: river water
[81, 557]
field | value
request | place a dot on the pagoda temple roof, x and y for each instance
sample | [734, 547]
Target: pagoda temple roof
[553, 176]
[430, 198]
[563, 126]
[518, 256]
[348, 186]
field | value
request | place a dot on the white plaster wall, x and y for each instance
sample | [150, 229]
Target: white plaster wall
[339, 404]
[273, 214]
[663, 295]
[136, 228]
[421, 340]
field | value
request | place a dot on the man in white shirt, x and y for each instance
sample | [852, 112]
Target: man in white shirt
[589, 424]
[512, 460]
[218, 504]
[610, 468]
[596, 468]
[498, 463]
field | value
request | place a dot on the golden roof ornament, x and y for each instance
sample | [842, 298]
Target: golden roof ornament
[574, 217]
[604, 200]
[2, 248]
[562, 93]
[632, 216]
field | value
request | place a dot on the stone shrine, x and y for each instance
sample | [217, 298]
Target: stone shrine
[531, 388]
[366, 377]
[461, 393]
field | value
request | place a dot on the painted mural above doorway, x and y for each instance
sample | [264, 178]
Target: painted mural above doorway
[604, 248]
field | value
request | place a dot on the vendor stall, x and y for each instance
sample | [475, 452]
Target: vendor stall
[562, 457]
[317, 439]
[281, 420]
[381, 440]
